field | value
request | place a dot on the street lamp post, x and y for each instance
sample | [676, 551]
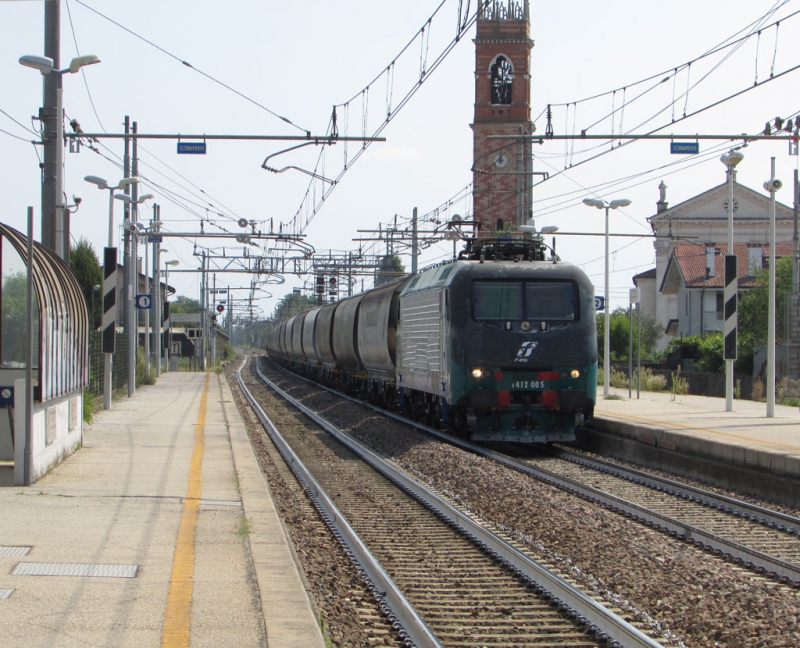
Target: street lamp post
[168, 341]
[108, 357]
[55, 226]
[730, 160]
[132, 285]
[772, 185]
[601, 204]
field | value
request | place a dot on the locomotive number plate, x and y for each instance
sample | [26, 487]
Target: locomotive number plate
[528, 384]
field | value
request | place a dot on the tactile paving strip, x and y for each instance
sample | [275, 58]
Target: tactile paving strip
[10, 550]
[5, 593]
[75, 569]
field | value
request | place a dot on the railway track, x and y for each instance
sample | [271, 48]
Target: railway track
[754, 537]
[757, 538]
[767, 532]
[439, 576]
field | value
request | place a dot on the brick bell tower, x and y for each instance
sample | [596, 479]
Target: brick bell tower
[501, 169]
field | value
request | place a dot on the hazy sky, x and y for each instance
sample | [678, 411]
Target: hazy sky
[298, 59]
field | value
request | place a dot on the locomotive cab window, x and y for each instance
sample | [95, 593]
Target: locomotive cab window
[542, 301]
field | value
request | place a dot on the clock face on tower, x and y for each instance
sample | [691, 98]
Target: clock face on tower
[500, 161]
[735, 205]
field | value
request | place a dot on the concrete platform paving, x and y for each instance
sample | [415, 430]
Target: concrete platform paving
[119, 501]
[700, 425]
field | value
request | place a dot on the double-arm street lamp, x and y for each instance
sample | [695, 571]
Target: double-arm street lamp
[101, 183]
[601, 204]
[55, 223]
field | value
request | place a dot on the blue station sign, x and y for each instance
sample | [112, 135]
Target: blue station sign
[599, 303]
[192, 148]
[684, 148]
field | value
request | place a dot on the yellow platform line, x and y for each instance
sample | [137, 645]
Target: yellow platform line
[666, 425]
[178, 615]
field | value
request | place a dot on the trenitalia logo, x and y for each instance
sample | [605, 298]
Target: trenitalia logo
[525, 350]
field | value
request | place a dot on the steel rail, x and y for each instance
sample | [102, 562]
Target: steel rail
[745, 510]
[406, 615]
[568, 597]
[729, 549]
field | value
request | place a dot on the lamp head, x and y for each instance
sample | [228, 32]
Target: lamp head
[124, 198]
[145, 197]
[620, 202]
[80, 61]
[172, 262]
[127, 181]
[732, 158]
[549, 229]
[42, 63]
[101, 183]
[593, 202]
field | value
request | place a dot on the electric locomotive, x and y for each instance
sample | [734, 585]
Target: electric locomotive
[499, 345]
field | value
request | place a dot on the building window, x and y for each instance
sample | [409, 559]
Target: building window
[501, 81]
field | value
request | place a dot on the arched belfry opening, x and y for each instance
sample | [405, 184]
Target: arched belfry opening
[502, 167]
[502, 78]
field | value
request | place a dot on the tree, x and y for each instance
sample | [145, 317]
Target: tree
[183, 304]
[391, 268]
[753, 307]
[620, 334]
[14, 298]
[292, 304]
[86, 268]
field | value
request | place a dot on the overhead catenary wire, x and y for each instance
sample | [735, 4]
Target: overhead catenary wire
[192, 67]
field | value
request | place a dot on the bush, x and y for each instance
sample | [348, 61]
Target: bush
[618, 379]
[758, 389]
[680, 386]
[650, 382]
[788, 391]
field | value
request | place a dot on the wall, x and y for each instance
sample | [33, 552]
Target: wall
[57, 432]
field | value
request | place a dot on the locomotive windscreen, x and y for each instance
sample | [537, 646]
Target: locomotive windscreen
[531, 300]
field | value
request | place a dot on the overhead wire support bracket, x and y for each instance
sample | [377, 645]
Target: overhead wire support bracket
[311, 139]
[630, 136]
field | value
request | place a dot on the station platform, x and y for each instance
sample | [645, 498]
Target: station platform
[159, 530]
[768, 449]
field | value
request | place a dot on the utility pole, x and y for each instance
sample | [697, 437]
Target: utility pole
[203, 309]
[132, 273]
[795, 251]
[157, 317]
[126, 254]
[414, 246]
[53, 229]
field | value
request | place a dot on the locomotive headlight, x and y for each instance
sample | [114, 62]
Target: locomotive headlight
[525, 326]
[575, 373]
[481, 373]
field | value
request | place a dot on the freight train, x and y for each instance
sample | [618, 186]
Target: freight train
[498, 345]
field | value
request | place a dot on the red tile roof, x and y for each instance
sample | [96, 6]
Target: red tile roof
[691, 260]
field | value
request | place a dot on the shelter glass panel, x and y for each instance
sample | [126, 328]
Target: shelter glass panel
[13, 306]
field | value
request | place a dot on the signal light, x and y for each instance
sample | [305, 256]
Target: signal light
[220, 308]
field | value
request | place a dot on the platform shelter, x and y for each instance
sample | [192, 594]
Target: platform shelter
[59, 327]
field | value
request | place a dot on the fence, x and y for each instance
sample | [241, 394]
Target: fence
[119, 374]
[703, 384]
